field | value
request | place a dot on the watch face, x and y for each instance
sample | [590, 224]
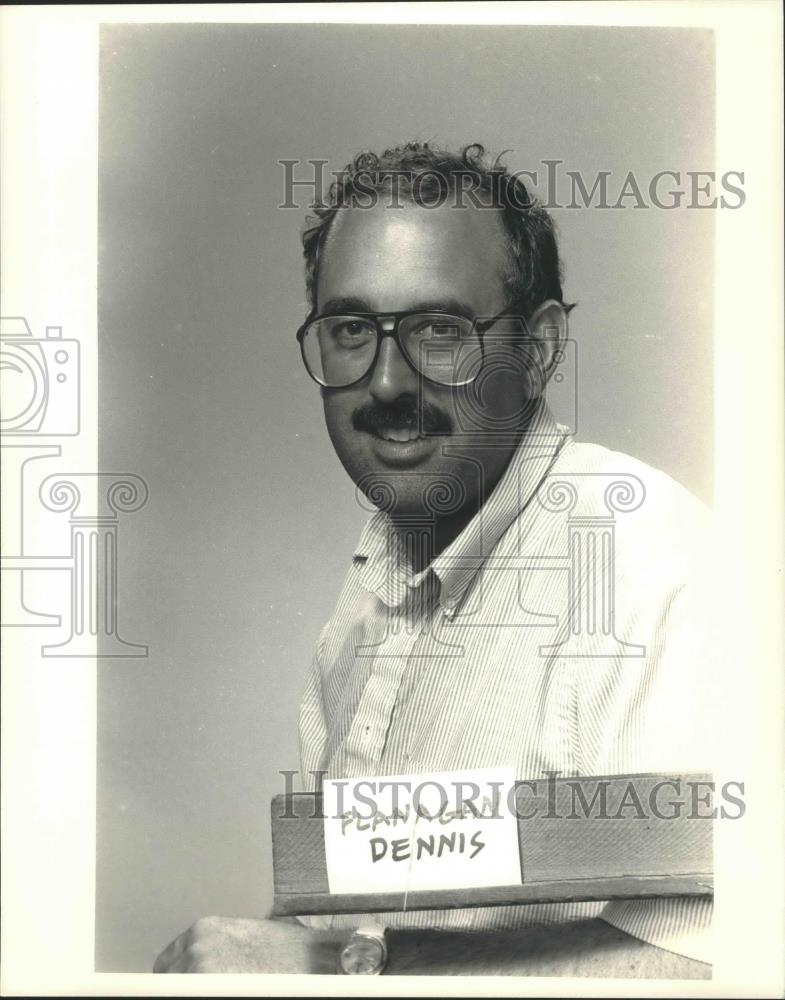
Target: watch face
[363, 956]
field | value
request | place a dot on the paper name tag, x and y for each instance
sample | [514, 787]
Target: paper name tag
[406, 833]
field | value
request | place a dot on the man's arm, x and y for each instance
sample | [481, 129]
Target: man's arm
[233, 944]
[582, 948]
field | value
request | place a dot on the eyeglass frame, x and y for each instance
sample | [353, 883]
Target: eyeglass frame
[481, 326]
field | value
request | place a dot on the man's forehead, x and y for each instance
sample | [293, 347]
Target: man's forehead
[409, 250]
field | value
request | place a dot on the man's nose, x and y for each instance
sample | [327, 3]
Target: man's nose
[392, 376]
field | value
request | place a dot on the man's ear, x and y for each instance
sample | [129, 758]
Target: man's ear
[548, 328]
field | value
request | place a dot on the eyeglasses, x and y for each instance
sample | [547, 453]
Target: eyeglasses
[445, 348]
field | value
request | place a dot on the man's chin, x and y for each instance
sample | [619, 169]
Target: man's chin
[416, 494]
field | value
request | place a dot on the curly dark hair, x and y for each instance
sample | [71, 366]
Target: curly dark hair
[425, 175]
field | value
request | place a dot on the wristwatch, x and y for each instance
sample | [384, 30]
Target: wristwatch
[365, 953]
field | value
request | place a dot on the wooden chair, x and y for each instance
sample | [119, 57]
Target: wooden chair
[654, 841]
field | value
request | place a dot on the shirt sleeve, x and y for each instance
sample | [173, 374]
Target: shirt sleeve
[312, 724]
[679, 925]
[313, 740]
[673, 726]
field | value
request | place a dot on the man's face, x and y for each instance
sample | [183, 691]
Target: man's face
[385, 260]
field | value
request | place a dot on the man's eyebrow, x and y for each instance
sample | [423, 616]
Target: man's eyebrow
[357, 305]
[346, 305]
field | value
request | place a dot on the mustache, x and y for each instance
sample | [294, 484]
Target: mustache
[402, 414]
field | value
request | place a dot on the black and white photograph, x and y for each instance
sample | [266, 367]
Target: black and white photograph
[392, 438]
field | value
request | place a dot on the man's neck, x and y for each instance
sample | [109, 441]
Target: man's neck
[426, 539]
[424, 542]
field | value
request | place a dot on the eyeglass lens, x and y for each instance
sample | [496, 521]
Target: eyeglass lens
[340, 350]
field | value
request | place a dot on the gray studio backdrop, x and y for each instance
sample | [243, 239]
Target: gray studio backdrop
[233, 566]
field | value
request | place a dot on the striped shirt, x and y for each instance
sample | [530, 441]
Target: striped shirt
[563, 630]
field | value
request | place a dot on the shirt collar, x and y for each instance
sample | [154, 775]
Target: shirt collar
[379, 554]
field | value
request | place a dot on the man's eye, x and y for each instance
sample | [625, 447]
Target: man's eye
[352, 333]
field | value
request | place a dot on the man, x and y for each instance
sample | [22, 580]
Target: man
[482, 623]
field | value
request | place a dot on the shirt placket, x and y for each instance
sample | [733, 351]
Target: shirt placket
[364, 747]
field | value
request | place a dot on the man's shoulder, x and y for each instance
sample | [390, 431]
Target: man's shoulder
[652, 512]
[611, 479]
